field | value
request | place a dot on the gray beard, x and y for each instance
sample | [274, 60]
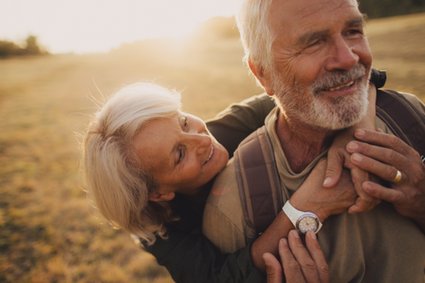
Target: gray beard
[334, 114]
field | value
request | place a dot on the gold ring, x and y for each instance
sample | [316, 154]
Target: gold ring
[397, 177]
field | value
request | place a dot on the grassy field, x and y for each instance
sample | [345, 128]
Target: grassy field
[48, 230]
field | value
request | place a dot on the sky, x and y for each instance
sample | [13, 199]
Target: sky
[83, 26]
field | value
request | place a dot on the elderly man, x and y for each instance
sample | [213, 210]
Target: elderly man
[313, 57]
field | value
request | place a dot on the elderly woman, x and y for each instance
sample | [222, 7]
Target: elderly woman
[149, 167]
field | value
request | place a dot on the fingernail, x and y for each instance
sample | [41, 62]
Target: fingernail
[356, 157]
[295, 234]
[352, 146]
[360, 133]
[327, 182]
[366, 186]
[313, 235]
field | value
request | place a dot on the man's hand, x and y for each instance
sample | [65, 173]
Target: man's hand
[300, 264]
[312, 196]
[384, 155]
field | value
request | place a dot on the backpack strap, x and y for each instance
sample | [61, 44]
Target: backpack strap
[402, 117]
[259, 184]
[258, 180]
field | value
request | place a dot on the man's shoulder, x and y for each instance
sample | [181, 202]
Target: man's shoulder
[224, 223]
[224, 193]
[413, 99]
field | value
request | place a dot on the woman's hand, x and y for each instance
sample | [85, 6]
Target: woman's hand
[339, 157]
[300, 264]
[312, 196]
[390, 158]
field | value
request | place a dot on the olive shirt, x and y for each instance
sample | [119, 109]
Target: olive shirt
[376, 246]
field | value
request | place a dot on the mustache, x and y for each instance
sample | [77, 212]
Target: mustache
[336, 78]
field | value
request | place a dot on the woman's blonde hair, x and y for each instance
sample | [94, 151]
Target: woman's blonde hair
[115, 180]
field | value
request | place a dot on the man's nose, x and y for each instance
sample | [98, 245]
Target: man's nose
[342, 56]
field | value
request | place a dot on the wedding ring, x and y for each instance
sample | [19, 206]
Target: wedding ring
[397, 177]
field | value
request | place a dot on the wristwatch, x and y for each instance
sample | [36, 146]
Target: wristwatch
[303, 221]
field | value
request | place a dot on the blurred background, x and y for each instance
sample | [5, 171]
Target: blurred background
[59, 58]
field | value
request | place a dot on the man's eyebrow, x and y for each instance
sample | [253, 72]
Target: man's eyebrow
[311, 36]
[314, 35]
[357, 21]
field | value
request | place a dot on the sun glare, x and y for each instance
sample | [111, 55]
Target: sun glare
[98, 25]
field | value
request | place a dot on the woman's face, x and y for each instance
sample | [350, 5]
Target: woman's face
[179, 153]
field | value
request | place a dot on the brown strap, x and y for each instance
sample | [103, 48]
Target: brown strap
[258, 180]
[402, 118]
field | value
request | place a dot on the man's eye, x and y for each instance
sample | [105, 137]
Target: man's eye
[354, 32]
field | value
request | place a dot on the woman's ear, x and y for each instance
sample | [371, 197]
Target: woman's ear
[262, 76]
[159, 197]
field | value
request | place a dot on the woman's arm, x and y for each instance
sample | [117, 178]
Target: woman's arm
[190, 257]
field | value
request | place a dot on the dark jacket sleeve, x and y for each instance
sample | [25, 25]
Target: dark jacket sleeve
[190, 257]
[236, 122]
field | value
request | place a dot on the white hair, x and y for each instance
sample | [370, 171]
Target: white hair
[256, 35]
[115, 179]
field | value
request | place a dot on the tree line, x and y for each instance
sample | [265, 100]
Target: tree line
[30, 47]
[387, 8]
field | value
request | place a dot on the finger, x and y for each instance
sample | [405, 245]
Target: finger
[375, 167]
[383, 154]
[318, 256]
[291, 268]
[303, 257]
[273, 268]
[382, 139]
[364, 202]
[383, 193]
[333, 168]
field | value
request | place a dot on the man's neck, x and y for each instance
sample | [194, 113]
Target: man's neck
[300, 142]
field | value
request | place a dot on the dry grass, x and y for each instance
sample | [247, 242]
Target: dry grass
[48, 230]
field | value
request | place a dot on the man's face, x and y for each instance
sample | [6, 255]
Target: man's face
[321, 61]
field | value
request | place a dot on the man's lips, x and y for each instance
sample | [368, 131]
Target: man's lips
[342, 86]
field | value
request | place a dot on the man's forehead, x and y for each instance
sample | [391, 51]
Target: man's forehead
[293, 16]
[306, 9]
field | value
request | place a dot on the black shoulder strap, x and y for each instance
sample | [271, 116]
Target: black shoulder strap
[403, 118]
[258, 180]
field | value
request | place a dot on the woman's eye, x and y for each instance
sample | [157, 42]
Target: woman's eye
[181, 154]
[184, 122]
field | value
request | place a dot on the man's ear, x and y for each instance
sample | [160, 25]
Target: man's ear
[262, 77]
[159, 197]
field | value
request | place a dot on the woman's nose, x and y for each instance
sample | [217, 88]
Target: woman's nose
[201, 142]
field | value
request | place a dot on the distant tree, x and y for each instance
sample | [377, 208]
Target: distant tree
[8, 49]
[32, 47]
[386, 8]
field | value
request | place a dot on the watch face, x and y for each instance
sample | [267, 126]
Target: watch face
[307, 222]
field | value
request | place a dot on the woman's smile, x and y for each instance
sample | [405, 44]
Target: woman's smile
[180, 152]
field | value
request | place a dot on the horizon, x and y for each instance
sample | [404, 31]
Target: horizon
[79, 26]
